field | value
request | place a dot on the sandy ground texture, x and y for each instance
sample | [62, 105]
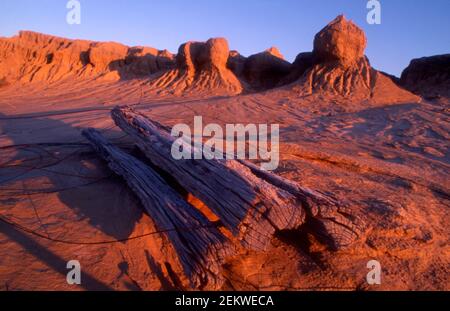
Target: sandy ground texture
[61, 201]
[346, 129]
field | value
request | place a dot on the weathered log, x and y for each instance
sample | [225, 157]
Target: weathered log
[328, 218]
[200, 246]
[250, 207]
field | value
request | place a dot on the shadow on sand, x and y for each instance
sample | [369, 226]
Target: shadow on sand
[72, 172]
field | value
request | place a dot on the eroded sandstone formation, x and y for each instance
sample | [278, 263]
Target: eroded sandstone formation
[302, 62]
[35, 57]
[236, 62]
[341, 41]
[265, 70]
[338, 67]
[201, 68]
[428, 76]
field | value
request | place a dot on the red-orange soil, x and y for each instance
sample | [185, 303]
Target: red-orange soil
[346, 129]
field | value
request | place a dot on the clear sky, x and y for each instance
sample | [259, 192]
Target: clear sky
[409, 28]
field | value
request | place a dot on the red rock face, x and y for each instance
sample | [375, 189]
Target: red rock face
[144, 60]
[187, 53]
[35, 57]
[105, 54]
[275, 52]
[428, 76]
[201, 68]
[302, 63]
[236, 63]
[32, 56]
[196, 56]
[265, 70]
[216, 52]
[341, 40]
[337, 67]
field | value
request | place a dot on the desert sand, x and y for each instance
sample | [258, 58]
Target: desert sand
[346, 130]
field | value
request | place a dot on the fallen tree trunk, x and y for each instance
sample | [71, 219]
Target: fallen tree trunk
[328, 218]
[253, 209]
[200, 246]
[324, 216]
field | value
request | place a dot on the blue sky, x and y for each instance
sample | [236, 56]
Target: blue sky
[409, 28]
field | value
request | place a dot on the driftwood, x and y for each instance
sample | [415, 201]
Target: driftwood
[251, 208]
[200, 246]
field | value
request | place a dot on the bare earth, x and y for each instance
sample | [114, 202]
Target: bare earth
[392, 162]
[387, 153]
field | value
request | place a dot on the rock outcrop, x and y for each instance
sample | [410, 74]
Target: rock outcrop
[236, 63]
[341, 41]
[35, 57]
[338, 67]
[201, 68]
[141, 61]
[265, 70]
[107, 55]
[302, 63]
[428, 76]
